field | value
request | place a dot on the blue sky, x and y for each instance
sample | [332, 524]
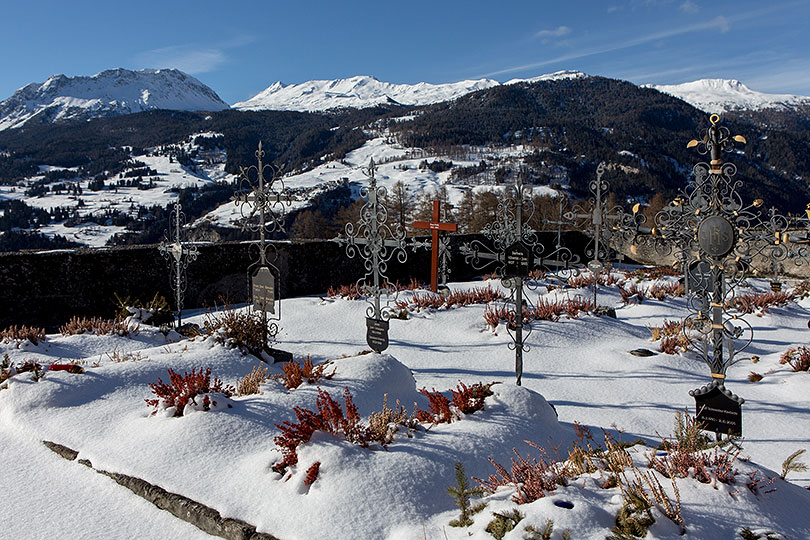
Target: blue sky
[239, 48]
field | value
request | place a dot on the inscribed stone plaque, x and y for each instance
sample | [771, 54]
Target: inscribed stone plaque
[377, 334]
[716, 236]
[718, 412]
[263, 285]
[517, 260]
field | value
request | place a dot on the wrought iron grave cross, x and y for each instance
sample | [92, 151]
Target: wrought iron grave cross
[260, 197]
[179, 255]
[514, 252]
[377, 243]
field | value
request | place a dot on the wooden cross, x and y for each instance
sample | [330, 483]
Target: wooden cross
[435, 226]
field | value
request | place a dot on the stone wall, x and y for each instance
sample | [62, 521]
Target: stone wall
[47, 288]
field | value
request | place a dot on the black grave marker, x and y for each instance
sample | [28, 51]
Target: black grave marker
[263, 285]
[718, 410]
[377, 334]
[517, 260]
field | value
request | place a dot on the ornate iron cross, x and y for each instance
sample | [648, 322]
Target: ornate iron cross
[261, 200]
[604, 225]
[515, 251]
[179, 255]
[435, 225]
[376, 243]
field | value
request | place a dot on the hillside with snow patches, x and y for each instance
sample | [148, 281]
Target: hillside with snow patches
[721, 95]
[109, 93]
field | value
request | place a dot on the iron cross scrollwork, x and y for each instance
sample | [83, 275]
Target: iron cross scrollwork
[606, 226]
[376, 242]
[261, 200]
[515, 250]
[179, 255]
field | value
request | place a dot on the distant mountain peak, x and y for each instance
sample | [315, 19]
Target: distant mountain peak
[363, 91]
[720, 95]
[359, 92]
[109, 93]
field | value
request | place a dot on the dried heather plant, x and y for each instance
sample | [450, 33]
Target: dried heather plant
[21, 334]
[250, 383]
[293, 374]
[798, 358]
[384, 424]
[244, 330]
[97, 326]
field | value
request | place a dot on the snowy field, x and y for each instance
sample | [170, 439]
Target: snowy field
[223, 458]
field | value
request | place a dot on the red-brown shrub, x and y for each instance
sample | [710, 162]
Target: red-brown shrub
[545, 310]
[312, 473]
[470, 399]
[184, 388]
[759, 302]
[481, 295]
[440, 412]
[798, 358]
[329, 418]
[343, 291]
[22, 333]
[293, 374]
[533, 478]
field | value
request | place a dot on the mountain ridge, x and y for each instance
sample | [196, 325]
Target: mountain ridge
[108, 93]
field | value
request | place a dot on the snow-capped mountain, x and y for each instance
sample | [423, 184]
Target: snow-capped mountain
[358, 92]
[719, 95]
[109, 93]
[364, 91]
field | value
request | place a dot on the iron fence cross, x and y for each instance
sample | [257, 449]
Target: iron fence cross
[179, 255]
[435, 225]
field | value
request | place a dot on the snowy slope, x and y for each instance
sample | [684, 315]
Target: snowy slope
[718, 95]
[109, 93]
[223, 457]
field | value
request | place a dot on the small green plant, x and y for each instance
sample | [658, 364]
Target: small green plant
[634, 518]
[503, 523]
[791, 464]
[545, 532]
[462, 492]
[747, 534]
[156, 312]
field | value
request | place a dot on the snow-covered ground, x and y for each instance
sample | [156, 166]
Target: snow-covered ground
[223, 458]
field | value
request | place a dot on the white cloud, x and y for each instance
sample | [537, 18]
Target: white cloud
[560, 31]
[186, 58]
[689, 7]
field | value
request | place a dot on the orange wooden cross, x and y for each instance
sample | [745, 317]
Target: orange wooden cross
[435, 226]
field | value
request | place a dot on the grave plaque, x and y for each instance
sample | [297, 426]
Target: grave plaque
[263, 284]
[377, 334]
[517, 260]
[699, 275]
[717, 411]
[716, 236]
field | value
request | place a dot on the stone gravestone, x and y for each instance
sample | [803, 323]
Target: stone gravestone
[718, 410]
